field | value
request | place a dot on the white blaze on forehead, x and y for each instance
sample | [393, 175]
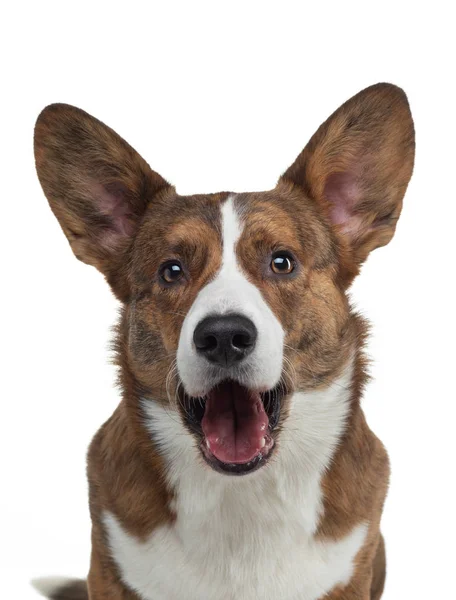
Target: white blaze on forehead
[231, 232]
[230, 292]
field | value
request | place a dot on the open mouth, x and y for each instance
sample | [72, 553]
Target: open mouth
[235, 425]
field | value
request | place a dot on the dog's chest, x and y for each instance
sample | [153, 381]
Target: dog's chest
[253, 540]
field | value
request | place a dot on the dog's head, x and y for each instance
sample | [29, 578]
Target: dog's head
[232, 301]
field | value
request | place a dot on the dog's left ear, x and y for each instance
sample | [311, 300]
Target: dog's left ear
[357, 167]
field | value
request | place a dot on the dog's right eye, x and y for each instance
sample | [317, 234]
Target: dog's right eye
[171, 272]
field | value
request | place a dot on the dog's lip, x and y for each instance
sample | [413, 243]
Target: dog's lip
[193, 409]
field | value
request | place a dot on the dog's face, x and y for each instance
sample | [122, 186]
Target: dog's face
[236, 311]
[232, 301]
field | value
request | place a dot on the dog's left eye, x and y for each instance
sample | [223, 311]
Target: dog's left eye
[171, 272]
[282, 263]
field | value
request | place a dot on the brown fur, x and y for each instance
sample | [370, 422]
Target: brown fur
[126, 220]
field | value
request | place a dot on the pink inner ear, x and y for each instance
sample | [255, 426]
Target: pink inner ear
[113, 203]
[343, 192]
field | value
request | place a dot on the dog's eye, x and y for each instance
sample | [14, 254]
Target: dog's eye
[282, 263]
[171, 272]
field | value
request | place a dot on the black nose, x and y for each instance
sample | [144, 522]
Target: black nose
[225, 340]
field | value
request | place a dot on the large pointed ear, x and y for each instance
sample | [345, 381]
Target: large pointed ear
[357, 167]
[98, 187]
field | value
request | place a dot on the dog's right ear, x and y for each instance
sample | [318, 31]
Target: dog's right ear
[98, 187]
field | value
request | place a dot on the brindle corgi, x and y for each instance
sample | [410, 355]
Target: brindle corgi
[238, 464]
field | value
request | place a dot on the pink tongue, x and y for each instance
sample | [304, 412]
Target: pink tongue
[234, 423]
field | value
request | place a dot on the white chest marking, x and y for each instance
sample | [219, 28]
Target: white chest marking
[248, 538]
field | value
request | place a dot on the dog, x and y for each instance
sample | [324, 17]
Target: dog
[238, 464]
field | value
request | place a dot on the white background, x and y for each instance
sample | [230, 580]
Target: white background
[220, 96]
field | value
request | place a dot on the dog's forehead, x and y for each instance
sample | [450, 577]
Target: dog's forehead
[266, 214]
[195, 227]
[202, 216]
